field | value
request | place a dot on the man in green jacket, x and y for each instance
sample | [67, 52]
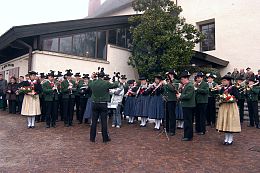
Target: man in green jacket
[51, 98]
[201, 95]
[187, 98]
[78, 82]
[100, 96]
[170, 91]
[252, 101]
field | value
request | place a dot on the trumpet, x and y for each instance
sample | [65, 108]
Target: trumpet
[70, 87]
[247, 87]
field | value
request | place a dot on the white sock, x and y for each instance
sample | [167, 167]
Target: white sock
[226, 137]
[159, 124]
[33, 121]
[156, 124]
[29, 121]
[230, 139]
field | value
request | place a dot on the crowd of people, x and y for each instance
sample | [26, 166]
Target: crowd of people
[170, 102]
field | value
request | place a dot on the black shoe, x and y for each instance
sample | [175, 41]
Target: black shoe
[29, 127]
[47, 126]
[201, 133]
[186, 139]
[92, 140]
[106, 141]
[257, 126]
[224, 143]
[229, 143]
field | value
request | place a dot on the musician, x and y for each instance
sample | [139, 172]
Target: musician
[211, 107]
[20, 96]
[31, 103]
[51, 98]
[41, 79]
[130, 101]
[201, 94]
[11, 91]
[100, 97]
[85, 93]
[228, 115]
[240, 84]
[252, 92]
[187, 98]
[142, 101]
[170, 91]
[58, 80]
[68, 89]
[156, 105]
[78, 81]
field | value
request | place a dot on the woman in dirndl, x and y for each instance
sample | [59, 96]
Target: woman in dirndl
[156, 107]
[130, 101]
[228, 120]
[31, 103]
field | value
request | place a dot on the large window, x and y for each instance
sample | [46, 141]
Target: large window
[209, 31]
[101, 45]
[51, 44]
[120, 37]
[84, 45]
[66, 45]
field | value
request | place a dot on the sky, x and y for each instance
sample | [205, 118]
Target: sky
[24, 12]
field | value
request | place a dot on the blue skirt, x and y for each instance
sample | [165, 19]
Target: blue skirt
[156, 108]
[88, 112]
[129, 108]
[142, 106]
[178, 111]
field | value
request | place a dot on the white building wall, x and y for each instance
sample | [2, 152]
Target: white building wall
[237, 29]
[116, 61]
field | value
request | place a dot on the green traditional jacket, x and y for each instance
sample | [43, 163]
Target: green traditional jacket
[78, 86]
[188, 96]
[100, 90]
[170, 90]
[252, 94]
[202, 93]
[67, 93]
[48, 93]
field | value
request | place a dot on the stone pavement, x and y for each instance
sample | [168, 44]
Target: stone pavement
[132, 149]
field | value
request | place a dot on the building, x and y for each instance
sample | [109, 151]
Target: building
[101, 40]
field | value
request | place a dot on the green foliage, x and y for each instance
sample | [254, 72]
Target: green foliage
[161, 39]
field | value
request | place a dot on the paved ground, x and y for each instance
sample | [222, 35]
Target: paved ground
[132, 149]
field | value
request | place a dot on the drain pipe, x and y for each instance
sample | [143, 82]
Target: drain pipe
[30, 53]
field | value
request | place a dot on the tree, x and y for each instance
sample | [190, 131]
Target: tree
[161, 39]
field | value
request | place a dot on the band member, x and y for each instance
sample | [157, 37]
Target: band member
[41, 79]
[31, 103]
[59, 79]
[85, 93]
[170, 91]
[123, 82]
[252, 91]
[68, 89]
[228, 115]
[100, 97]
[3, 86]
[51, 99]
[11, 91]
[78, 81]
[130, 101]
[187, 98]
[142, 101]
[240, 84]
[211, 107]
[156, 105]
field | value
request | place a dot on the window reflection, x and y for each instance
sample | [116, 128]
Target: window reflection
[66, 45]
[51, 44]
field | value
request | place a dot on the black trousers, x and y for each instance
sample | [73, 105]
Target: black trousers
[253, 112]
[241, 107]
[200, 117]
[61, 108]
[188, 127]
[68, 110]
[211, 111]
[99, 111]
[4, 101]
[42, 117]
[20, 102]
[12, 106]
[170, 116]
[51, 112]
[77, 101]
[83, 104]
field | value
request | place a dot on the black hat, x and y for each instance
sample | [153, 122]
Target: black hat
[106, 77]
[77, 75]
[59, 74]
[158, 77]
[131, 81]
[42, 75]
[101, 73]
[32, 73]
[85, 76]
[123, 76]
[248, 68]
[142, 78]
[185, 74]
[51, 73]
[259, 70]
[239, 78]
[252, 79]
[173, 72]
[200, 74]
[211, 75]
[227, 77]
[69, 72]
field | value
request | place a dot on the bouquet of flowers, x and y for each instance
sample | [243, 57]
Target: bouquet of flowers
[26, 90]
[226, 98]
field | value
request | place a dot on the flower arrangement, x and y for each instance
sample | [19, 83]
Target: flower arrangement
[226, 98]
[27, 90]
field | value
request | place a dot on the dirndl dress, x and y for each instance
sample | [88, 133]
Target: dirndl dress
[88, 111]
[156, 108]
[31, 105]
[130, 106]
[142, 106]
[228, 118]
[178, 111]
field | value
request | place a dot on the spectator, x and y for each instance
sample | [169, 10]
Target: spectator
[3, 86]
[242, 73]
[11, 93]
[249, 73]
[235, 74]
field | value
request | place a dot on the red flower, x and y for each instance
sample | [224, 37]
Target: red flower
[52, 84]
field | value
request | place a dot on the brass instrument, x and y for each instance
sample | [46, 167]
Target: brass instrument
[248, 87]
[70, 87]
